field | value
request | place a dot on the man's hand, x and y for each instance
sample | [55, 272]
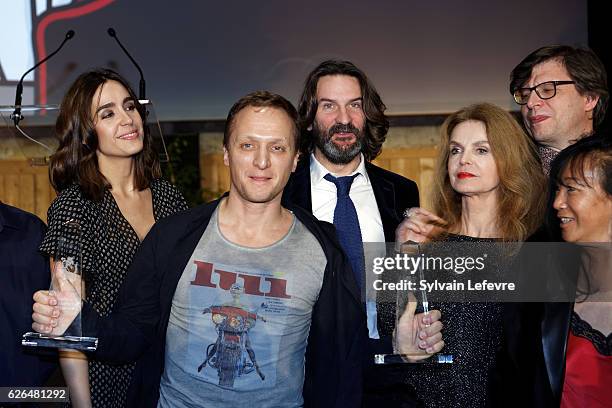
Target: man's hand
[418, 336]
[419, 225]
[54, 310]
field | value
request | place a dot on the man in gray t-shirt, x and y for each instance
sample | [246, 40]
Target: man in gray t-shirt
[239, 322]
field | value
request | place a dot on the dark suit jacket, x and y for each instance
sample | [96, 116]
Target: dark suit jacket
[136, 331]
[532, 366]
[23, 271]
[532, 362]
[393, 193]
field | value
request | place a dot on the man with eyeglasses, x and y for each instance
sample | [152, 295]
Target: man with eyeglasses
[563, 93]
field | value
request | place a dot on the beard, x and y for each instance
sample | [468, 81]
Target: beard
[334, 153]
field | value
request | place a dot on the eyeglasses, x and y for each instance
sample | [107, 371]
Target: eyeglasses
[545, 90]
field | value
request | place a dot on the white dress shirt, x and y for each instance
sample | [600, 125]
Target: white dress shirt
[324, 197]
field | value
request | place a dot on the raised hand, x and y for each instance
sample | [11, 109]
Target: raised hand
[418, 336]
[419, 225]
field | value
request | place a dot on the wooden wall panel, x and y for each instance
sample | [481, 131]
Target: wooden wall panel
[414, 163]
[26, 187]
[46, 193]
[26, 192]
[214, 176]
[11, 189]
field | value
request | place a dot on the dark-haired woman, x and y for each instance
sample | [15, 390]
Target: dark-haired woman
[583, 205]
[108, 179]
[561, 352]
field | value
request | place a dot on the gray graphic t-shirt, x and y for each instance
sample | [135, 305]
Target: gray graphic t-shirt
[239, 322]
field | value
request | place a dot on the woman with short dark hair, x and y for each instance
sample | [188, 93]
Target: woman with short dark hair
[581, 209]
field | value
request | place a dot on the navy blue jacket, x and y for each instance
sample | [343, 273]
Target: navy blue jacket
[23, 271]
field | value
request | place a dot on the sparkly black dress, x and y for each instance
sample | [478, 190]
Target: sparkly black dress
[109, 244]
[472, 333]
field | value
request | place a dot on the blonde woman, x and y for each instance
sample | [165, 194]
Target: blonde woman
[489, 187]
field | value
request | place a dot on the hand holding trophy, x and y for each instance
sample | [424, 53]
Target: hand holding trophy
[417, 337]
[57, 312]
[64, 296]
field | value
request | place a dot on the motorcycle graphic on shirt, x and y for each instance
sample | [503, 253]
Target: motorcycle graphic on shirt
[231, 354]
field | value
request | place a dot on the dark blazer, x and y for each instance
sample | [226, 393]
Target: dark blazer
[24, 271]
[555, 326]
[136, 331]
[393, 193]
[532, 364]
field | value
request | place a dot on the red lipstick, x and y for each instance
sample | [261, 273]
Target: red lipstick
[465, 175]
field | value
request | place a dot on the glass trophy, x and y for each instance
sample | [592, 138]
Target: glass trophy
[68, 285]
[408, 290]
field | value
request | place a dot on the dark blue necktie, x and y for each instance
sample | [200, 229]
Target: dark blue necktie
[347, 225]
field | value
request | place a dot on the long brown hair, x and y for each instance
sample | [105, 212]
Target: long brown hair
[377, 123]
[522, 185]
[75, 161]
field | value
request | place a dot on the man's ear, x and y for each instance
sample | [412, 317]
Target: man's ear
[591, 101]
[225, 156]
[295, 161]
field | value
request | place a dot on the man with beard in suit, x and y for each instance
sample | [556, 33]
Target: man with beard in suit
[343, 129]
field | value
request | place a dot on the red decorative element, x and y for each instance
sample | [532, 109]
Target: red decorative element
[588, 376]
[68, 14]
[252, 283]
[278, 288]
[226, 279]
[203, 274]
